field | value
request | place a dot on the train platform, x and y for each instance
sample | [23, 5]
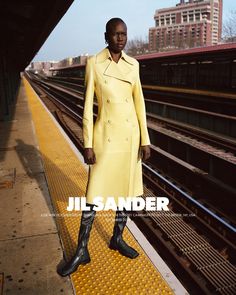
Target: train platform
[40, 170]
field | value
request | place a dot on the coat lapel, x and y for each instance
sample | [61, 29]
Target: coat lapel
[121, 71]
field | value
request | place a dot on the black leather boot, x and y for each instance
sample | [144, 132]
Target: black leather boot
[81, 255]
[117, 242]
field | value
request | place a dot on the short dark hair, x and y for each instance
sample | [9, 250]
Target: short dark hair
[113, 21]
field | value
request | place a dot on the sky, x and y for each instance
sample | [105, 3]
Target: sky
[81, 30]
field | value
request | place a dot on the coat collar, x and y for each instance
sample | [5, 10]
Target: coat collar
[110, 69]
[105, 54]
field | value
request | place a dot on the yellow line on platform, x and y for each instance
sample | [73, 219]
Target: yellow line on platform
[216, 94]
[109, 272]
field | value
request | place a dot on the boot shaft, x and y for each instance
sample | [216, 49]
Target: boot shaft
[86, 223]
[120, 223]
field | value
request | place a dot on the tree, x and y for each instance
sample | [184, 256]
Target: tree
[229, 27]
[137, 46]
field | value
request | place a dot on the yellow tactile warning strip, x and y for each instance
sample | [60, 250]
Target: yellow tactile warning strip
[191, 91]
[109, 272]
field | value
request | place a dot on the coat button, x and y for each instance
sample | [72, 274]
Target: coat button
[108, 100]
[105, 82]
[126, 100]
[127, 120]
[109, 140]
[127, 139]
[109, 121]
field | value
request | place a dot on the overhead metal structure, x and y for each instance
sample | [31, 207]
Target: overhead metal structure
[24, 27]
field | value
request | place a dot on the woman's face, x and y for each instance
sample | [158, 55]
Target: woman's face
[116, 37]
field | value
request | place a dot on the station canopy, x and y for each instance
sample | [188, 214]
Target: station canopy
[25, 25]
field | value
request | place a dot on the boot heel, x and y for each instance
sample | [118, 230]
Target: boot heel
[86, 261]
[112, 247]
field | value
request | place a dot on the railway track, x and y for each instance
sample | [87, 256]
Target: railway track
[217, 102]
[175, 235]
[191, 234]
[212, 162]
[212, 116]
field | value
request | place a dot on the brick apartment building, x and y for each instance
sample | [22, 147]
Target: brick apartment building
[188, 24]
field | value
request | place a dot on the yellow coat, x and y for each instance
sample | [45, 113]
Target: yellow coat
[120, 127]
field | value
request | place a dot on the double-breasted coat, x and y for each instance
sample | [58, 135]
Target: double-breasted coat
[120, 128]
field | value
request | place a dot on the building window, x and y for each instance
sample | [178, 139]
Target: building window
[197, 16]
[185, 19]
[191, 17]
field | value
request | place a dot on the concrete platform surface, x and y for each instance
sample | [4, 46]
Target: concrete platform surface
[29, 243]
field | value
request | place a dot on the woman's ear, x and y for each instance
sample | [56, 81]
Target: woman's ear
[105, 35]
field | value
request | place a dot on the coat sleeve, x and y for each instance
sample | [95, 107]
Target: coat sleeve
[88, 105]
[140, 109]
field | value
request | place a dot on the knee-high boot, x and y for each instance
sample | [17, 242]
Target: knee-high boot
[117, 242]
[81, 255]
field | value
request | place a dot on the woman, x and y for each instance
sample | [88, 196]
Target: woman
[116, 143]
